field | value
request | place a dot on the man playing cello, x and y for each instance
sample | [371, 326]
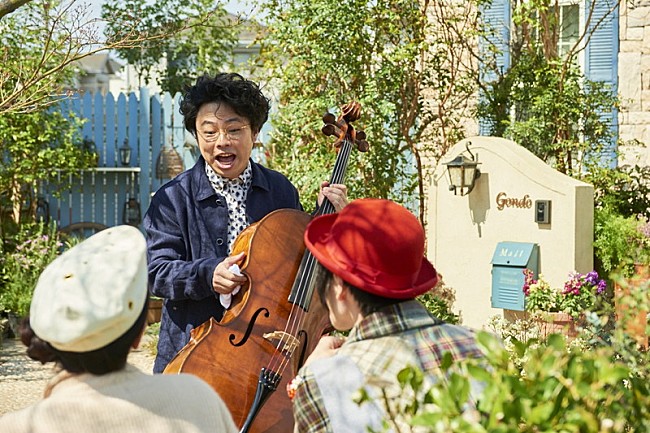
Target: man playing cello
[194, 219]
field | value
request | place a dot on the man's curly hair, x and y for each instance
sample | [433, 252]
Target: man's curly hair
[242, 95]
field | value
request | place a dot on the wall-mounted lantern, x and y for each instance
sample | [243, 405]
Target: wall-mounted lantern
[131, 214]
[125, 153]
[42, 210]
[463, 172]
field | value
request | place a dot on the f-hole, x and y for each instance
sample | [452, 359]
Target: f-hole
[249, 328]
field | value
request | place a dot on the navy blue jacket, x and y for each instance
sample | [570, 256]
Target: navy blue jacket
[187, 232]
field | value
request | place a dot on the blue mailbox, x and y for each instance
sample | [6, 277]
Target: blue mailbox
[508, 264]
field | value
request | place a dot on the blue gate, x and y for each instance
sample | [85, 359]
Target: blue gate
[113, 192]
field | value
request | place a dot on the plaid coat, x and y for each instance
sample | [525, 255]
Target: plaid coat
[376, 349]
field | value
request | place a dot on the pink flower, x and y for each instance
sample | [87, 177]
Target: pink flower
[577, 295]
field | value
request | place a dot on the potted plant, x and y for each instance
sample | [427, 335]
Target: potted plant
[558, 309]
[37, 245]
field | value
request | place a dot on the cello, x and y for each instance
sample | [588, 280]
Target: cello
[275, 320]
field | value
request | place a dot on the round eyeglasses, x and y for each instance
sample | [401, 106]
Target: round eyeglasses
[231, 134]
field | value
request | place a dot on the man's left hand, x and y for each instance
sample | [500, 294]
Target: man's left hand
[336, 193]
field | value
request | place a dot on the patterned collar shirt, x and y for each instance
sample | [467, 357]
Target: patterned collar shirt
[376, 350]
[234, 191]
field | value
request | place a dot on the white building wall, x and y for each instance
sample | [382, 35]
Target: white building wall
[463, 231]
[634, 81]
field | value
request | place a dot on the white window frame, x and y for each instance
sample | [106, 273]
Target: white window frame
[581, 28]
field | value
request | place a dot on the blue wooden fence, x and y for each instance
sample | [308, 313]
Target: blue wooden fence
[147, 123]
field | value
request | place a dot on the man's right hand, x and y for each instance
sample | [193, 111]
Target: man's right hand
[223, 279]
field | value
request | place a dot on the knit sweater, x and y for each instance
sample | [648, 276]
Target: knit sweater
[124, 401]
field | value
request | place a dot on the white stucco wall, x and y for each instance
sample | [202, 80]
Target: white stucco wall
[464, 231]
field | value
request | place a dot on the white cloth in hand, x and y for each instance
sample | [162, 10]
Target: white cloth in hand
[226, 298]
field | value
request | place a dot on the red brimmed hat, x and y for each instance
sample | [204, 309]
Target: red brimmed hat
[375, 245]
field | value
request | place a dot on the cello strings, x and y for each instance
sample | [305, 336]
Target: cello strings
[304, 288]
[297, 316]
[337, 177]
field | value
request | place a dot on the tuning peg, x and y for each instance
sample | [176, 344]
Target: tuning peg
[329, 118]
[330, 129]
[362, 145]
[361, 135]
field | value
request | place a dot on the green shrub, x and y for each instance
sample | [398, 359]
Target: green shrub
[439, 301]
[620, 241]
[36, 246]
[150, 340]
[555, 389]
[597, 382]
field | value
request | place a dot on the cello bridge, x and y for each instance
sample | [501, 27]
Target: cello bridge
[287, 342]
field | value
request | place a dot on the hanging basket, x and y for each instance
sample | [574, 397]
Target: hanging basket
[169, 163]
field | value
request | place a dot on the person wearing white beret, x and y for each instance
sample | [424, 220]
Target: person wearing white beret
[88, 310]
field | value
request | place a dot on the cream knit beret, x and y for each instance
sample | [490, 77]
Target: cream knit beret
[92, 293]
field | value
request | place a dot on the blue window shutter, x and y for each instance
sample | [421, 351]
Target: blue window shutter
[601, 60]
[497, 17]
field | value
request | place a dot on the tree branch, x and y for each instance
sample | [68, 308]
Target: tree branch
[26, 90]
[8, 6]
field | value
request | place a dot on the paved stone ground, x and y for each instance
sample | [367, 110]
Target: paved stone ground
[22, 380]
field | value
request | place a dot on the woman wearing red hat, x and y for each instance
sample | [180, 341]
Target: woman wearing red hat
[372, 266]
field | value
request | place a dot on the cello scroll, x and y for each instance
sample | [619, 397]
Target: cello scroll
[342, 127]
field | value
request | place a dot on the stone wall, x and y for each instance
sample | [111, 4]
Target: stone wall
[634, 81]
